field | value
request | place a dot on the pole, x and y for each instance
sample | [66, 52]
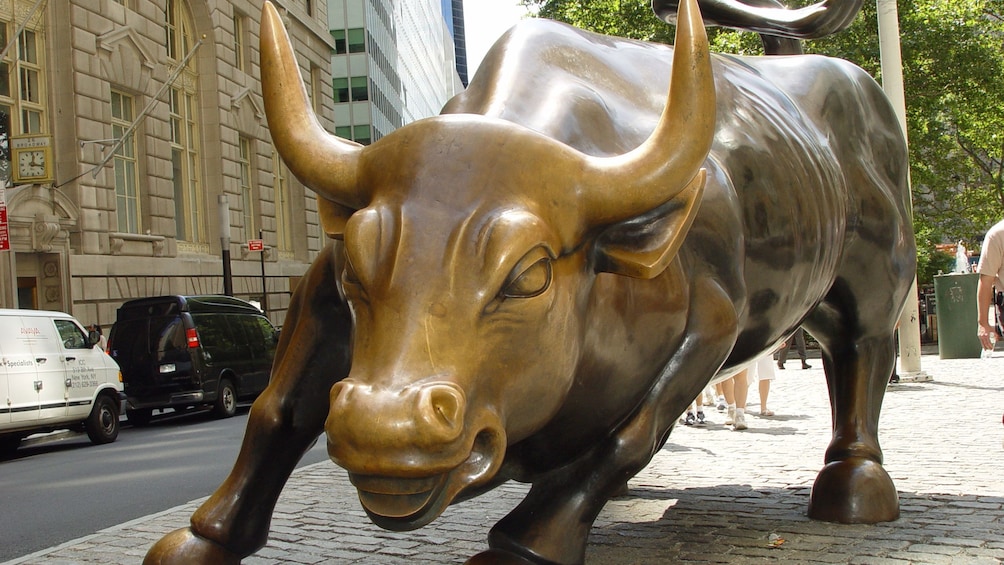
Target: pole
[228, 278]
[264, 290]
[892, 84]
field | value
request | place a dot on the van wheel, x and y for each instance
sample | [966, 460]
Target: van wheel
[103, 423]
[226, 401]
[139, 417]
[9, 444]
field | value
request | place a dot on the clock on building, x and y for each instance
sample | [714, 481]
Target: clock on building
[31, 163]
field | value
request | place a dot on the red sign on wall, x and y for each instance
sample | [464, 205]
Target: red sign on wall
[256, 245]
[4, 233]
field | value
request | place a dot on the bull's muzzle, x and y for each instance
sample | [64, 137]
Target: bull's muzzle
[409, 451]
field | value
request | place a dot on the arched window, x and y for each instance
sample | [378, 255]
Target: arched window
[189, 198]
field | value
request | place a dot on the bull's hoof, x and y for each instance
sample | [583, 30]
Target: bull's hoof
[185, 547]
[498, 557]
[854, 491]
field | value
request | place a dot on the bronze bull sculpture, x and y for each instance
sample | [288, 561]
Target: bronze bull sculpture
[535, 284]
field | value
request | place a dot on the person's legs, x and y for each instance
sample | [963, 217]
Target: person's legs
[765, 374]
[728, 389]
[740, 386]
[800, 345]
[764, 391]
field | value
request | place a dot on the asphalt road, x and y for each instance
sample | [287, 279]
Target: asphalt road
[59, 490]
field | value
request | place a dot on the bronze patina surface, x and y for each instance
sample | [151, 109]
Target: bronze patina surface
[535, 284]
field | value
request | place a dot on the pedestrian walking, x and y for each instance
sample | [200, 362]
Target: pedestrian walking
[782, 354]
[991, 270]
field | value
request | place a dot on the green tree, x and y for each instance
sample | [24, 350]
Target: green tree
[954, 82]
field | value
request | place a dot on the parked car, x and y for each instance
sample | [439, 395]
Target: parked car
[183, 351]
[54, 377]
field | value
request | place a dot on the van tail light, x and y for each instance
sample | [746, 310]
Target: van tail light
[192, 337]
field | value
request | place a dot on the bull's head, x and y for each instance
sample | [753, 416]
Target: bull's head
[467, 266]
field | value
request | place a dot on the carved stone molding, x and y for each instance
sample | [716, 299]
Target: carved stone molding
[249, 114]
[43, 232]
[124, 59]
[136, 244]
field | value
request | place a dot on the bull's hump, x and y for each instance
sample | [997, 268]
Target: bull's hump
[600, 94]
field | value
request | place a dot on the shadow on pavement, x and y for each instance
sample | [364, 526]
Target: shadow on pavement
[739, 524]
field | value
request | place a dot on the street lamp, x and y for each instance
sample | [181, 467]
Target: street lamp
[228, 279]
[892, 84]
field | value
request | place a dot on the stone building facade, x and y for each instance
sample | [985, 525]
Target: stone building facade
[122, 123]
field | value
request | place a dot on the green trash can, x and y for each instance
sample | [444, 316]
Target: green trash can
[955, 294]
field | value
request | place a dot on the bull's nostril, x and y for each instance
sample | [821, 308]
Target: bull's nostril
[443, 406]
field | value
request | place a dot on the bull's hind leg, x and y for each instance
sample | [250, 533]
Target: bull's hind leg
[858, 357]
[285, 420]
[552, 523]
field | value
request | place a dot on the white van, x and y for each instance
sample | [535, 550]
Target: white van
[53, 377]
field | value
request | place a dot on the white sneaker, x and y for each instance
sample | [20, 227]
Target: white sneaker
[731, 417]
[739, 422]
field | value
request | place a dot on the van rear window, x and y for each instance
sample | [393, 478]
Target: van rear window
[145, 336]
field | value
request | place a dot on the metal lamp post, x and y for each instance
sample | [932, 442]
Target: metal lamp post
[228, 279]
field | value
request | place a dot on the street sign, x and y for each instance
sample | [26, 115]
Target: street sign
[256, 245]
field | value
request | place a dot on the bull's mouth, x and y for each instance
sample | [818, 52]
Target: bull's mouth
[401, 503]
[398, 501]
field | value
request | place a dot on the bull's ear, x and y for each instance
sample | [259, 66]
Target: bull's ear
[333, 217]
[643, 248]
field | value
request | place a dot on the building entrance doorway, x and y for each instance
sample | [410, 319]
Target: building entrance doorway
[39, 281]
[27, 293]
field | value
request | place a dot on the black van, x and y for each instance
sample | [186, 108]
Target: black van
[182, 351]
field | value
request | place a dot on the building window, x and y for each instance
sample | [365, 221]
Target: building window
[126, 177]
[283, 223]
[315, 88]
[361, 134]
[21, 94]
[359, 90]
[247, 189]
[240, 51]
[339, 36]
[171, 30]
[357, 40]
[341, 89]
[350, 90]
[353, 41]
[189, 199]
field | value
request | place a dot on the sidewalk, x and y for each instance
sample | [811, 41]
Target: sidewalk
[711, 495]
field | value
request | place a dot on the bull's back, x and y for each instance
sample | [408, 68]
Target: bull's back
[801, 145]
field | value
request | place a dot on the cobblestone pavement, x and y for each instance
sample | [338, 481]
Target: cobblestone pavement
[712, 495]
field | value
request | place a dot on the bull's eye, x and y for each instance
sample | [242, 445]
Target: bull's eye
[530, 278]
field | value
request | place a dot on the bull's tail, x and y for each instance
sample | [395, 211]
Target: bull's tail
[780, 28]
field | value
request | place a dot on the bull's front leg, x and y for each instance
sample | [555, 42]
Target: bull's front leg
[552, 523]
[283, 423]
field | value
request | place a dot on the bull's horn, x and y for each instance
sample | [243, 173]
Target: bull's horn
[622, 187]
[325, 163]
[772, 17]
